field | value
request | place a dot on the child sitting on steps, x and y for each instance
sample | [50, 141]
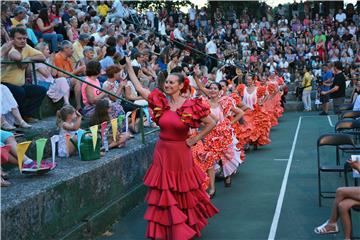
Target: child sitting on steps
[102, 114]
[68, 121]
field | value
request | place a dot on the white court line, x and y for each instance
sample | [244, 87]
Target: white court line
[330, 122]
[276, 217]
[281, 159]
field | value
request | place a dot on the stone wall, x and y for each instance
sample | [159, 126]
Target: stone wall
[78, 199]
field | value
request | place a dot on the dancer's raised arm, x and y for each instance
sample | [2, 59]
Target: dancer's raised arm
[144, 92]
[197, 74]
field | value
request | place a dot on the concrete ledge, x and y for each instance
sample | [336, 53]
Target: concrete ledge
[78, 199]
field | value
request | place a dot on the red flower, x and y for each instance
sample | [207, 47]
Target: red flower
[271, 88]
[280, 81]
[260, 91]
[240, 89]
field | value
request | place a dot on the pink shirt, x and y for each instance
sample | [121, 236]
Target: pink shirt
[83, 90]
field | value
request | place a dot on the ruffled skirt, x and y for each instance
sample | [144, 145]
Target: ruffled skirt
[178, 206]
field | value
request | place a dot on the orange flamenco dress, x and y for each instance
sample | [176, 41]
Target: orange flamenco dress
[178, 206]
[270, 104]
[227, 103]
[257, 116]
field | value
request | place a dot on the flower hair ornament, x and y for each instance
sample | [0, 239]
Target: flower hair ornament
[186, 86]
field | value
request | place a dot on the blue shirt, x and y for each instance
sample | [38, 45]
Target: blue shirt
[106, 62]
[326, 76]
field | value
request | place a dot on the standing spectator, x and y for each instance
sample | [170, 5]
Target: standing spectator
[63, 60]
[337, 90]
[306, 84]
[28, 96]
[192, 13]
[340, 16]
[211, 50]
[326, 82]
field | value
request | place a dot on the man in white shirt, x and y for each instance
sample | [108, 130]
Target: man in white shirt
[264, 24]
[192, 13]
[341, 16]
[138, 58]
[178, 34]
[100, 37]
[211, 50]
[162, 27]
[150, 16]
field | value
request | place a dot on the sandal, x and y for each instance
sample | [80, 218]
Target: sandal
[7, 126]
[24, 124]
[4, 183]
[323, 230]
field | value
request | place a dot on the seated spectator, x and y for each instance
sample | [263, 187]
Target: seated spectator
[56, 88]
[89, 55]
[7, 138]
[45, 29]
[19, 19]
[100, 37]
[71, 30]
[63, 60]
[9, 111]
[115, 81]
[28, 96]
[108, 60]
[101, 114]
[79, 47]
[346, 198]
[68, 120]
[91, 95]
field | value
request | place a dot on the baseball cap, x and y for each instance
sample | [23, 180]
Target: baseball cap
[84, 36]
[18, 10]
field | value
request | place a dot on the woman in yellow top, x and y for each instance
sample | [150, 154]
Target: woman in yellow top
[306, 84]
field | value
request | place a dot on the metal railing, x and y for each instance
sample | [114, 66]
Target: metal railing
[34, 78]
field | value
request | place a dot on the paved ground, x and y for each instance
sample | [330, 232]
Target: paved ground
[247, 208]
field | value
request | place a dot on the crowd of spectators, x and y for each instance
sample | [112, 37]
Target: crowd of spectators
[90, 38]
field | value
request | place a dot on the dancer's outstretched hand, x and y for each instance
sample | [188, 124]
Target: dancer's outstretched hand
[191, 141]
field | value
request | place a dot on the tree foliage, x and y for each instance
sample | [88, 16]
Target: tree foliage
[160, 4]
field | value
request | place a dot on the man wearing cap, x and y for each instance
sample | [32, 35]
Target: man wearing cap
[19, 16]
[100, 37]
[78, 47]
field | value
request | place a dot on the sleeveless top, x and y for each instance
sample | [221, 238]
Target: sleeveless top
[95, 91]
[250, 99]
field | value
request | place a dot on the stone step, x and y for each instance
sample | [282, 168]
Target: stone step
[78, 199]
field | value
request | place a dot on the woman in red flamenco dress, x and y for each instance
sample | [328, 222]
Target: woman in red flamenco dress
[178, 207]
[258, 121]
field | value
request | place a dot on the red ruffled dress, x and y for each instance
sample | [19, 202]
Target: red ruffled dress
[178, 206]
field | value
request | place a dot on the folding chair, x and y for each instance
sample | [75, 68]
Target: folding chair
[350, 114]
[336, 140]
